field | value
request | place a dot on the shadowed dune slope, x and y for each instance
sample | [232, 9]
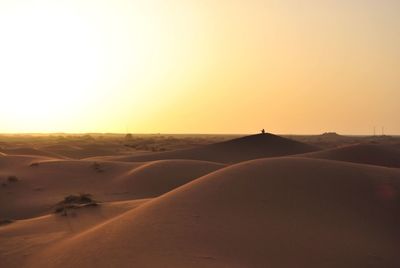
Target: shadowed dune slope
[30, 151]
[80, 151]
[117, 158]
[158, 177]
[48, 182]
[373, 154]
[282, 212]
[26, 237]
[233, 151]
[10, 162]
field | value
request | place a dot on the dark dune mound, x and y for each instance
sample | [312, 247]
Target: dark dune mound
[285, 212]
[330, 135]
[233, 151]
[373, 154]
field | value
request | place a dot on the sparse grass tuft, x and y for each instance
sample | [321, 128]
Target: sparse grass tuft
[75, 202]
[97, 167]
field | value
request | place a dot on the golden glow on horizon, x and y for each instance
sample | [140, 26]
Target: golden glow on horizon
[51, 67]
[199, 66]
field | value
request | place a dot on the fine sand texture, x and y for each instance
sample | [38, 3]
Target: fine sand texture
[284, 212]
[373, 154]
[256, 201]
[41, 184]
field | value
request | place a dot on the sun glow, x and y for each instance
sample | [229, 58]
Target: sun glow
[192, 66]
[49, 64]
[74, 65]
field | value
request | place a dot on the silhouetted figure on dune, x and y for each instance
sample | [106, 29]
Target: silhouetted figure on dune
[263, 131]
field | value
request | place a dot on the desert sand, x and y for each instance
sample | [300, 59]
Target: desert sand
[254, 201]
[373, 154]
[232, 151]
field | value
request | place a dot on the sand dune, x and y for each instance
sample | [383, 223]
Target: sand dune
[188, 208]
[117, 158]
[79, 150]
[9, 162]
[284, 212]
[232, 151]
[25, 237]
[158, 177]
[48, 182]
[30, 151]
[373, 154]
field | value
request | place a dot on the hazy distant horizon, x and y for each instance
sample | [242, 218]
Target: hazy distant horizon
[200, 66]
[194, 133]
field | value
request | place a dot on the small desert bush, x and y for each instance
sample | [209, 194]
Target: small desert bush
[128, 137]
[12, 179]
[97, 167]
[75, 202]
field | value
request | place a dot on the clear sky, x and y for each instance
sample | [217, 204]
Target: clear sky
[185, 66]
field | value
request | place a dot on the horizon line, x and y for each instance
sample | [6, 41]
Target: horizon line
[191, 133]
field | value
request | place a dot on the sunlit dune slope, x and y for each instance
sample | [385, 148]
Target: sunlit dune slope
[373, 154]
[41, 184]
[283, 212]
[232, 151]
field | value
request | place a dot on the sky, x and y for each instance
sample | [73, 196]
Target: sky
[185, 66]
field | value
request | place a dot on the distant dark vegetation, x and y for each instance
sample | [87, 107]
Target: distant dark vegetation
[81, 146]
[329, 140]
[161, 143]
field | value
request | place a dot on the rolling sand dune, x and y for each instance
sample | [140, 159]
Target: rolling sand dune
[284, 212]
[232, 151]
[186, 208]
[373, 154]
[158, 177]
[9, 162]
[30, 151]
[25, 237]
[62, 149]
[80, 151]
[117, 158]
[48, 182]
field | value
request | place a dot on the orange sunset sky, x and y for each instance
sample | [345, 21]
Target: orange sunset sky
[184, 66]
